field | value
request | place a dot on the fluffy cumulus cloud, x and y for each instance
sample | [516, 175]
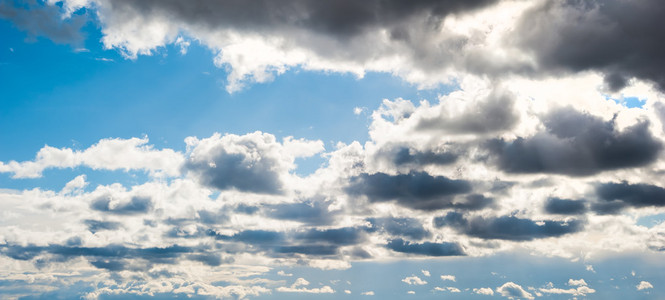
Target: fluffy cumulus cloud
[513, 290]
[529, 150]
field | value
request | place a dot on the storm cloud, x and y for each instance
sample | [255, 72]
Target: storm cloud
[415, 190]
[43, 20]
[582, 35]
[426, 248]
[508, 227]
[577, 144]
[615, 196]
[565, 206]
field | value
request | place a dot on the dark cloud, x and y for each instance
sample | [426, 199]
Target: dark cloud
[579, 35]
[493, 114]
[405, 227]
[39, 19]
[339, 18]
[577, 144]
[234, 171]
[95, 225]
[338, 236]
[565, 206]
[508, 227]
[426, 248]
[406, 156]
[110, 257]
[136, 205]
[208, 217]
[417, 190]
[615, 196]
[309, 212]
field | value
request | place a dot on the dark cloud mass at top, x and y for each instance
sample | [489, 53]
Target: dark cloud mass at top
[341, 18]
[622, 39]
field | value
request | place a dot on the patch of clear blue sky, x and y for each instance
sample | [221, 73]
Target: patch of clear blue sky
[53, 95]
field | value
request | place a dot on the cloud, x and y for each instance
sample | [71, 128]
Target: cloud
[508, 227]
[615, 196]
[565, 206]
[447, 289]
[254, 162]
[448, 277]
[107, 154]
[548, 31]
[644, 285]
[484, 291]
[95, 225]
[512, 290]
[426, 248]
[300, 286]
[405, 227]
[414, 280]
[135, 205]
[414, 190]
[577, 144]
[368, 293]
[39, 19]
[426, 273]
[308, 211]
[581, 288]
[491, 113]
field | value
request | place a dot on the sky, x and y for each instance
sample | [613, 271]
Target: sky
[321, 149]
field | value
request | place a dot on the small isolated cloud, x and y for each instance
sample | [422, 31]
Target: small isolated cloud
[580, 288]
[359, 110]
[448, 277]
[368, 293]
[347, 292]
[484, 291]
[644, 285]
[513, 290]
[300, 286]
[426, 273]
[590, 268]
[411, 292]
[282, 273]
[574, 282]
[414, 280]
[447, 289]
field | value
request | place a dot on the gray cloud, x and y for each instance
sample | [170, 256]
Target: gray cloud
[95, 225]
[38, 19]
[582, 35]
[616, 196]
[405, 227]
[507, 227]
[309, 212]
[340, 18]
[493, 114]
[417, 190]
[110, 257]
[426, 248]
[565, 206]
[136, 205]
[577, 144]
[229, 170]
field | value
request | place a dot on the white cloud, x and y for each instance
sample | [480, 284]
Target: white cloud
[512, 290]
[368, 293]
[426, 273]
[414, 280]
[107, 154]
[581, 288]
[299, 286]
[484, 291]
[347, 292]
[644, 285]
[411, 292]
[282, 273]
[579, 282]
[448, 289]
[448, 277]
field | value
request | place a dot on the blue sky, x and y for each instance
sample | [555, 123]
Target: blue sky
[322, 150]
